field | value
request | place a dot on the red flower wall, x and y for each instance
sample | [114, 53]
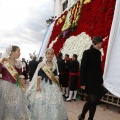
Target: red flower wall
[96, 19]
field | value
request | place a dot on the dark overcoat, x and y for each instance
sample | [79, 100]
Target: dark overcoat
[91, 71]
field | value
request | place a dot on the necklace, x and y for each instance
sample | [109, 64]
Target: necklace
[12, 59]
[49, 62]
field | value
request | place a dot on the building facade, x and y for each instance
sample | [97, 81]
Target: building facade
[62, 5]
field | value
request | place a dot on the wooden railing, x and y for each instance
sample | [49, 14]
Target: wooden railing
[107, 98]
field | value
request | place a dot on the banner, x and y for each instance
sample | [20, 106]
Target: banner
[112, 65]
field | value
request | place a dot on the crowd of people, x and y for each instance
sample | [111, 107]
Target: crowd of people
[52, 81]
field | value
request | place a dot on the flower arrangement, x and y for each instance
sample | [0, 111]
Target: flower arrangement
[73, 16]
[95, 19]
[77, 45]
[53, 42]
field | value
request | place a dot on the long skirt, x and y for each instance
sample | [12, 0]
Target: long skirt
[13, 104]
[47, 104]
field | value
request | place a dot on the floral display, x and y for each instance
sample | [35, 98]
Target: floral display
[87, 1]
[77, 45]
[73, 16]
[95, 19]
[53, 42]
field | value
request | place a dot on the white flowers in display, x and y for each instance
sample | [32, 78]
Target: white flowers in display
[77, 45]
[53, 42]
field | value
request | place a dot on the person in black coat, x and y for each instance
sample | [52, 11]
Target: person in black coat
[91, 77]
[32, 67]
[61, 69]
[25, 68]
[67, 72]
[74, 68]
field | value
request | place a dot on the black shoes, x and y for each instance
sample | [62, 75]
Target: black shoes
[74, 99]
[69, 100]
[80, 118]
[63, 95]
[66, 96]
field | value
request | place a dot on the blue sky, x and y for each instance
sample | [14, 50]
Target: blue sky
[23, 23]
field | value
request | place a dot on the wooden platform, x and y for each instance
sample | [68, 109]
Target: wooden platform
[74, 108]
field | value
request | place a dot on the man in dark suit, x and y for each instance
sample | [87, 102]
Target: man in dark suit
[61, 69]
[67, 72]
[74, 69]
[32, 67]
[24, 69]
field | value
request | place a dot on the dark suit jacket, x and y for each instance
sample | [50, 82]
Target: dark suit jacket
[74, 66]
[32, 66]
[67, 65]
[61, 65]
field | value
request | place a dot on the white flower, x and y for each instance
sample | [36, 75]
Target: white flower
[53, 42]
[76, 45]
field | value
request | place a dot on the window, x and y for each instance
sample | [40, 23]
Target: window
[65, 5]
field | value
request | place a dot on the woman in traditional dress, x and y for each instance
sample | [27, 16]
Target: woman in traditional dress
[44, 92]
[13, 105]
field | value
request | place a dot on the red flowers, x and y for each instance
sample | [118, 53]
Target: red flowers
[96, 19]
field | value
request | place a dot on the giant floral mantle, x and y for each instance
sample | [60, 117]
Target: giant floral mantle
[95, 19]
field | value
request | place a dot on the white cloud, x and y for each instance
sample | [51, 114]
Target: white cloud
[23, 23]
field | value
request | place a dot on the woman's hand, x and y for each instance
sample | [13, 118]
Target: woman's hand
[83, 87]
[22, 84]
[38, 88]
